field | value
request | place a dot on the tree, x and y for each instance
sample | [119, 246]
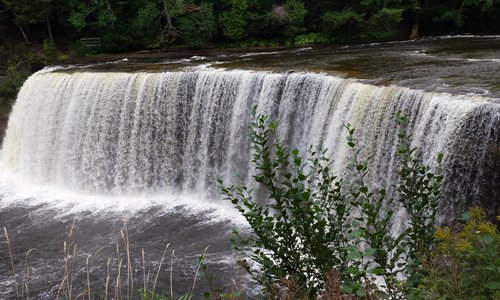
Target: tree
[312, 223]
[296, 13]
[30, 12]
[146, 25]
[84, 13]
[171, 9]
[233, 19]
[341, 25]
[382, 18]
[414, 14]
[197, 26]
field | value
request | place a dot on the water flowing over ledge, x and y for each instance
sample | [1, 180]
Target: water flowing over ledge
[134, 133]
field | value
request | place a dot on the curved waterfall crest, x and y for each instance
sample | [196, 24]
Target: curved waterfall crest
[124, 133]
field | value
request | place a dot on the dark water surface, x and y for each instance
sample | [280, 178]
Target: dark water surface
[96, 234]
[457, 64]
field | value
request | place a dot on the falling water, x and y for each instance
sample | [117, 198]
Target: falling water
[136, 133]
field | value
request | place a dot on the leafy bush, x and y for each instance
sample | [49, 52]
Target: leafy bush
[384, 23]
[341, 24]
[14, 69]
[294, 25]
[466, 264]
[50, 51]
[198, 27]
[10, 85]
[82, 50]
[315, 224]
[311, 38]
[233, 20]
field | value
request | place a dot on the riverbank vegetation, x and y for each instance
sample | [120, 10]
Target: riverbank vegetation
[138, 25]
[319, 236]
[314, 235]
[129, 274]
[464, 264]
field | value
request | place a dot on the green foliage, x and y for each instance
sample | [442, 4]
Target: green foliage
[294, 231]
[216, 293]
[314, 223]
[13, 72]
[144, 25]
[31, 11]
[139, 24]
[311, 38]
[233, 20]
[145, 17]
[465, 264]
[50, 51]
[10, 83]
[296, 12]
[102, 11]
[454, 17]
[385, 23]
[198, 27]
[82, 50]
[339, 25]
[419, 194]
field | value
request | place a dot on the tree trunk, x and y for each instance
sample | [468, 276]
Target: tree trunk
[167, 14]
[113, 13]
[24, 34]
[414, 30]
[169, 32]
[49, 29]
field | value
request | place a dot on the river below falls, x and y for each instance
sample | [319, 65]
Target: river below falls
[43, 222]
[44, 218]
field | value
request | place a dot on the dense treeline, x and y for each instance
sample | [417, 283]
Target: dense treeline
[141, 24]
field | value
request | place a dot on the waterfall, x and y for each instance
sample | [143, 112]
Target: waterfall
[127, 133]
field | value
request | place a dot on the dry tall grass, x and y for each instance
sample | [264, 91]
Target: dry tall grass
[119, 287]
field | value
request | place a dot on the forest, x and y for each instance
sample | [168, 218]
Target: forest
[149, 24]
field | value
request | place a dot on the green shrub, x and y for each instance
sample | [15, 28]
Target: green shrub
[50, 51]
[10, 84]
[233, 20]
[314, 223]
[294, 23]
[82, 50]
[311, 38]
[466, 264]
[198, 27]
[340, 25]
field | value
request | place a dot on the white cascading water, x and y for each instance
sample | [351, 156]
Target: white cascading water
[130, 133]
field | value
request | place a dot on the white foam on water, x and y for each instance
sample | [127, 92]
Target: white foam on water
[196, 58]
[495, 60]
[258, 53]
[461, 36]
[16, 191]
